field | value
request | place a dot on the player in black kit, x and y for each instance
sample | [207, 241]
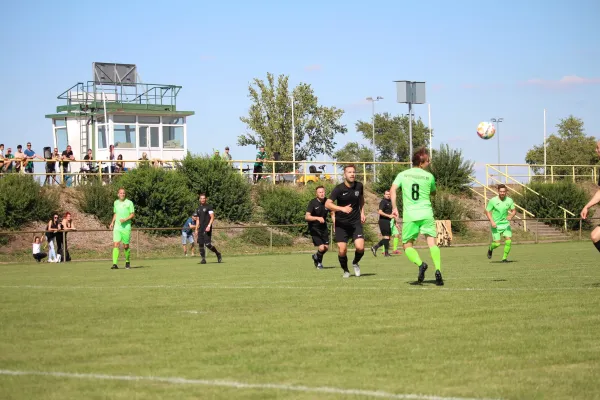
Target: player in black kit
[349, 217]
[385, 227]
[206, 217]
[316, 216]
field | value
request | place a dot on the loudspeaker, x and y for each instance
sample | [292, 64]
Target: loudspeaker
[47, 153]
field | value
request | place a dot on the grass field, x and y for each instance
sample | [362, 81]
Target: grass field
[266, 327]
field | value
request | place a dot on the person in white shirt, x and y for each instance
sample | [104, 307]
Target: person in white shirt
[37, 250]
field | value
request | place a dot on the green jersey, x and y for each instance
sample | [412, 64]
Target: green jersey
[123, 209]
[499, 209]
[260, 155]
[417, 186]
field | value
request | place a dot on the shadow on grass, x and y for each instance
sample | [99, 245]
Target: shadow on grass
[503, 262]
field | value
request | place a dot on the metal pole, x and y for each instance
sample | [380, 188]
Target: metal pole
[430, 145]
[293, 139]
[544, 145]
[373, 145]
[498, 133]
[410, 144]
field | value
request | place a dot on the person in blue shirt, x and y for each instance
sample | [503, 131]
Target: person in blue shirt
[187, 233]
[30, 156]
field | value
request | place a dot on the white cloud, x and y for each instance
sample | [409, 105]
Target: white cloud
[565, 81]
[313, 67]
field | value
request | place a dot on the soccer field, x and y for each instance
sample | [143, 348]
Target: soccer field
[266, 327]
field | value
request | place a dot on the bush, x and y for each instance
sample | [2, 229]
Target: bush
[262, 237]
[386, 175]
[228, 192]
[284, 205]
[450, 169]
[97, 199]
[23, 200]
[160, 197]
[564, 194]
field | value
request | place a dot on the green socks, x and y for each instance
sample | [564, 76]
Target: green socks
[127, 253]
[396, 240]
[436, 256]
[507, 244]
[494, 245]
[413, 256]
[115, 255]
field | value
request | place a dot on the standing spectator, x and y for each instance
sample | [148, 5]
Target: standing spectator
[37, 250]
[66, 157]
[112, 158]
[226, 155]
[30, 153]
[1, 157]
[216, 155]
[51, 167]
[187, 233]
[8, 165]
[261, 156]
[20, 158]
[66, 225]
[51, 231]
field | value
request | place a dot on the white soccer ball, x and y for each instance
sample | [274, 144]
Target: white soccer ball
[486, 130]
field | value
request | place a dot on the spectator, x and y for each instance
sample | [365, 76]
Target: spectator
[37, 250]
[261, 156]
[51, 231]
[187, 233]
[216, 155]
[89, 166]
[226, 155]
[67, 155]
[121, 164]
[20, 159]
[65, 225]
[30, 153]
[1, 157]
[8, 165]
[51, 167]
[111, 157]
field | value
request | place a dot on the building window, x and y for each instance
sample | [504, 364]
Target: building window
[149, 120]
[172, 120]
[124, 136]
[61, 139]
[102, 139]
[173, 137]
[154, 139]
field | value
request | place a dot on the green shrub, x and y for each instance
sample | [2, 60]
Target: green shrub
[450, 169]
[283, 205]
[565, 194]
[23, 200]
[160, 197]
[228, 192]
[262, 237]
[386, 175]
[97, 199]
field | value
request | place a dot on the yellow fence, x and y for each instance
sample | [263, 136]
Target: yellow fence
[526, 173]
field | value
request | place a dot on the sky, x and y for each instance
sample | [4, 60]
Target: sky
[479, 59]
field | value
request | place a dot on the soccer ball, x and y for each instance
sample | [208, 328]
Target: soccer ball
[486, 130]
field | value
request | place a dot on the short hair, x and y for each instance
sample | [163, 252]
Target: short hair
[419, 157]
[19, 146]
[227, 148]
[349, 166]
[36, 237]
[387, 190]
[68, 213]
[121, 188]
[1, 144]
[202, 194]
[319, 187]
[501, 186]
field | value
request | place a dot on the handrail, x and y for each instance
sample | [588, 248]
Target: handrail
[523, 210]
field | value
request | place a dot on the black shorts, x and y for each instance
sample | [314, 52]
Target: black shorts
[343, 232]
[257, 169]
[384, 227]
[205, 238]
[320, 237]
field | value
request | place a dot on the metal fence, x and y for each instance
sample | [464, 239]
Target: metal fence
[527, 173]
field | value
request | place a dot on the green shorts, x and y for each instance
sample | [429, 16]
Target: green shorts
[394, 228]
[412, 229]
[122, 235]
[501, 231]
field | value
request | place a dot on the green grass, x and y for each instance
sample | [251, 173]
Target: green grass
[523, 330]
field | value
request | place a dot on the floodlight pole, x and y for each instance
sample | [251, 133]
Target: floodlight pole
[410, 145]
[293, 139]
[497, 121]
[545, 168]
[410, 93]
[373, 100]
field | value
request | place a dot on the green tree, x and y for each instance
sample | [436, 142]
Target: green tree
[391, 136]
[569, 146]
[450, 169]
[269, 120]
[355, 152]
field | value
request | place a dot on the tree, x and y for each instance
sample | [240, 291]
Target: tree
[391, 136]
[569, 146]
[450, 169]
[270, 120]
[353, 152]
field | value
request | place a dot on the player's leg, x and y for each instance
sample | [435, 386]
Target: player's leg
[410, 233]
[396, 235]
[125, 239]
[184, 243]
[429, 230]
[317, 243]
[117, 243]
[495, 242]
[384, 228]
[341, 238]
[595, 236]
[322, 250]
[359, 247]
[201, 248]
[507, 242]
[209, 245]
[191, 244]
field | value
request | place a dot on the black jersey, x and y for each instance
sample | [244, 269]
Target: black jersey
[204, 212]
[343, 196]
[386, 206]
[317, 209]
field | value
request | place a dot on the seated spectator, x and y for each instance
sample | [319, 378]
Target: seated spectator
[20, 159]
[121, 164]
[51, 167]
[8, 165]
[37, 250]
[89, 166]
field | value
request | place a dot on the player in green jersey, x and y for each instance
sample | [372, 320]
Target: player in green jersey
[417, 186]
[121, 222]
[595, 235]
[500, 210]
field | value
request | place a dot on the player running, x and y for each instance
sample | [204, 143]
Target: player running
[500, 211]
[417, 213]
[121, 222]
[385, 224]
[206, 217]
[316, 216]
[595, 235]
[349, 217]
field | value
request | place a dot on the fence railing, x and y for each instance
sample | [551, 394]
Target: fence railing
[527, 173]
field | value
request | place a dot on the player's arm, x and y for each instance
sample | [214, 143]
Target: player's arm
[331, 206]
[211, 214]
[489, 208]
[594, 200]
[393, 190]
[131, 214]
[380, 212]
[311, 218]
[511, 213]
[112, 223]
[361, 202]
